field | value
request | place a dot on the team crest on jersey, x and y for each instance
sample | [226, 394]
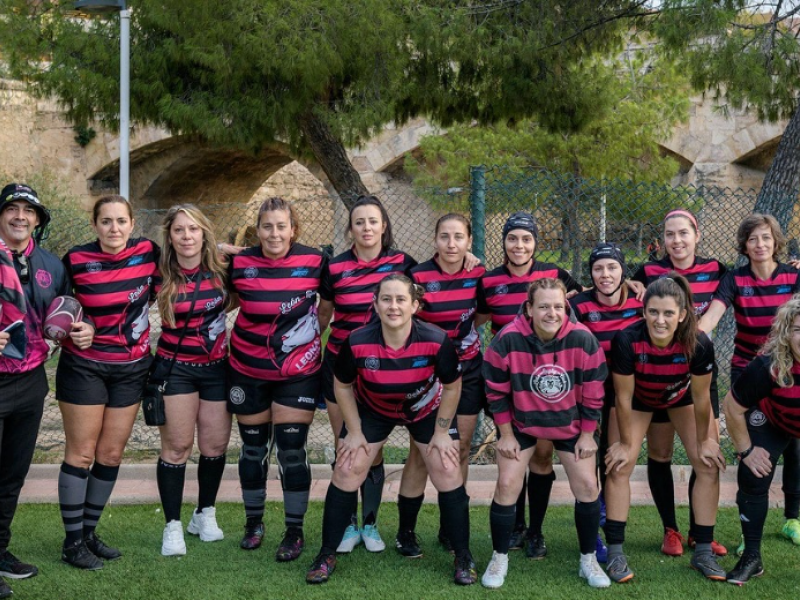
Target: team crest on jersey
[501, 289]
[757, 418]
[433, 286]
[643, 358]
[747, 291]
[551, 383]
[372, 363]
[594, 316]
[93, 267]
[43, 278]
[251, 272]
[236, 395]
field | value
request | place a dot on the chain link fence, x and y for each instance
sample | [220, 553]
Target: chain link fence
[573, 215]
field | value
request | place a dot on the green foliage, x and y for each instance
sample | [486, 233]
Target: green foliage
[84, 135]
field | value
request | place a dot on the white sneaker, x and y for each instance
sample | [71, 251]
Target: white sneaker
[204, 524]
[172, 543]
[372, 539]
[591, 571]
[495, 574]
[350, 539]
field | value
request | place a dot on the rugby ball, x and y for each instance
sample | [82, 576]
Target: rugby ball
[61, 314]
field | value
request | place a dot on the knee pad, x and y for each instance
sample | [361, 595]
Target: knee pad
[290, 440]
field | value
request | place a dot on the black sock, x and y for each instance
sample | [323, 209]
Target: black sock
[209, 477]
[102, 479]
[587, 522]
[519, 522]
[752, 514]
[539, 489]
[501, 523]
[408, 511]
[339, 505]
[454, 507]
[371, 494]
[791, 480]
[692, 523]
[72, 483]
[170, 479]
[615, 532]
[703, 536]
[659, 476]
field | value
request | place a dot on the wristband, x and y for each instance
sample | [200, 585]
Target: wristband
[742, 455]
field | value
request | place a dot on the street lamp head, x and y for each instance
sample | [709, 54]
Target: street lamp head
[100, 6]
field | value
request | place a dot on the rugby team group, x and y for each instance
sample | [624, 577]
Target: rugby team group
[586, 373]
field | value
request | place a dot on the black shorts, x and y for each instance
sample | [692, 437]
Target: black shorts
[528, 441]
[207, 379]
[642, 407]
[377, 428]
[661, 416]
[89, 382]
[328, 361]
[250, 396]
[473, 387]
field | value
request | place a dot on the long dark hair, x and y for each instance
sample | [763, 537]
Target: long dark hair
[677, 287]
[387, 239]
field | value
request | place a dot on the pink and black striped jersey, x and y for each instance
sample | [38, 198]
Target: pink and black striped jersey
[605, 321]
[206, 338]
[12, 296]
[349, 283]
[758, 388]
[500, 294]
[450, 302]
[755, 303]
[551, 390]
[404, 384]
[662, 375]
[115, 291]
[276, 334]
[704, 277]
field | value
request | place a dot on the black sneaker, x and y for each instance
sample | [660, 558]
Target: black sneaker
[14, 568]
[78, 555]
[253, 535]
[464, 571]
[517, 537]
[97, 547]
[748, 566]
[322, 568]
[445, 542]
[407, 544]
[5, 589]
[291, 545]
[535, 547]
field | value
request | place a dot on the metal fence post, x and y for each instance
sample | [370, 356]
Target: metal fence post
[477, 209]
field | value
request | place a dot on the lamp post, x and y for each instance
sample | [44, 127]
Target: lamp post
[105, 7]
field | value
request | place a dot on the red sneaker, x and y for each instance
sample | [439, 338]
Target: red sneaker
[716, 548]
[673, 543]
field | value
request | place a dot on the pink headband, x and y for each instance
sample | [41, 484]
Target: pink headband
[682, 213]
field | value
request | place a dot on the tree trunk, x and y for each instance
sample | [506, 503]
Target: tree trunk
[332, 157]
[779, 190]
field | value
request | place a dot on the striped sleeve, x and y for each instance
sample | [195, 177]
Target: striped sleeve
[497, 373]
[12, 297]
[593, 375]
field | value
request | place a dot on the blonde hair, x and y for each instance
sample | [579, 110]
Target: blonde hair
[778, 346]
[171, 274]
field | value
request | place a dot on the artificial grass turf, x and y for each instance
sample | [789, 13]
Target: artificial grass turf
[221, 570]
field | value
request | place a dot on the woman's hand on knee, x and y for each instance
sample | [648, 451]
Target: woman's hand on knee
[710, 454]
[758, 462]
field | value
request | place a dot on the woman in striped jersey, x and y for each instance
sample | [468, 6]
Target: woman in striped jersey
[346, 295]
[195, 393]
[544, 381]
[762, 413]
[664, 362]
[98, 388]
[501, 292]
[274, 368]
[681, 237]
[450, 302]
[397, 371]
[756, 291]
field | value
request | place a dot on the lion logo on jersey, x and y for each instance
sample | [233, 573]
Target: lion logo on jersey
[140, 324]
[304, 331]
[551, 383]
[217, 327]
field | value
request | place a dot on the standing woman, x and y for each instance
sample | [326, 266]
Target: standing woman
[99, 387]
[763, 417]
[544, 381]
[664, 362]
[681, 236]
[192, 295]
[346, 295]
[501, 293]
[756, 291]
[397, 372]
[450, 302]
[273, 374]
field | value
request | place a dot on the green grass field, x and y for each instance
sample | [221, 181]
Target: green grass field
[221, 570]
